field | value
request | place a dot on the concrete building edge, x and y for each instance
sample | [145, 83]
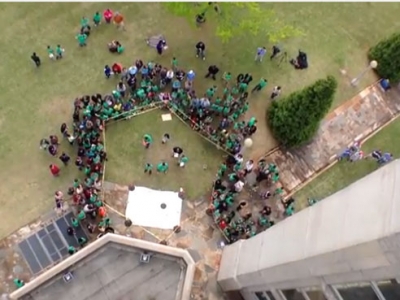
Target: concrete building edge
[117, 239]
[225, 281]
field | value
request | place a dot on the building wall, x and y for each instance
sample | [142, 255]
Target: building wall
[351, 236]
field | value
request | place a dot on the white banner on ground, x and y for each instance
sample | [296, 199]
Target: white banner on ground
[151, 208]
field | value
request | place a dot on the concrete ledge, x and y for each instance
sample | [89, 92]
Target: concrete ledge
[117, 239]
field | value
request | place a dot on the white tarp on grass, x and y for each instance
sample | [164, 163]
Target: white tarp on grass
[152, 208]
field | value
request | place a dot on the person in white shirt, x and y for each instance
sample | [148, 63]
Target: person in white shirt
[276, 91]
[249, 167]
[239, 158]
[239, 186]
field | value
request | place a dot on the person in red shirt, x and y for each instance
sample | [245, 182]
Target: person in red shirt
[116, 68]
[55, 171]
[108, 15]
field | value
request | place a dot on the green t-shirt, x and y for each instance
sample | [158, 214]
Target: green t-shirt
[84, 22]
[18, 283]
[148, 167]
[174, 62]
[210, 92]
[252, 122]
[81, 215]
[74, 222]
[243, 86]
[227, 76]
[59, 50]
[148, 138]
[82, 38]
[234, 90]
[120, 49]
[162, 167]
[97, 18]
[262, 83]
[50, 50]
[184, 159]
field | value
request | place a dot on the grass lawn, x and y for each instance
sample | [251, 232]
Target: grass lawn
[127, 157]
[344, 173]
[36, 101]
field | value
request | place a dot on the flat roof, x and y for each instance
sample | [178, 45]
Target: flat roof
[110, 268]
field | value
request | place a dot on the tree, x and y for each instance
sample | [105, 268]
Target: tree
[236, 19]
[295, 119]
[387, 54]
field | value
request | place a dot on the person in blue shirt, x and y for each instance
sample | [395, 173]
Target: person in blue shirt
[107, 71]
[190, 75]
[261, 51]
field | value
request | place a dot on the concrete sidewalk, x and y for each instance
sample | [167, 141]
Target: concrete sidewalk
[354, 120]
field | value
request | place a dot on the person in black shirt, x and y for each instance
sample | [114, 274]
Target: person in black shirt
[248, 78]
[201, 50]
[36, 59]
[200, 19]
[240, 78]
[64, 158]
[212, 71]
[177, 151]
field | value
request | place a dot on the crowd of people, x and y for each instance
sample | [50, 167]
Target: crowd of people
[85, 138]
[239, 219]
[216, 114]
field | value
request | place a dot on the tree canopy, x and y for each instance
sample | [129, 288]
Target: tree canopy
[294, 120]
[387, 54]
[236, 18]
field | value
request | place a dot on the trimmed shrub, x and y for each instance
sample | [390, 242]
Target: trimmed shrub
[387, 54]
[294, 120]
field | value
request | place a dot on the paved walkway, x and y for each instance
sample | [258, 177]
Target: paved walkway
[354, 120]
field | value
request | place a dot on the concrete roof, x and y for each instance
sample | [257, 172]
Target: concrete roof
[109, 268]
[365, 211]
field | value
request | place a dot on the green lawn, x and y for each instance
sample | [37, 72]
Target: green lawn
[36, 101]
[344, 173]
[127, 157]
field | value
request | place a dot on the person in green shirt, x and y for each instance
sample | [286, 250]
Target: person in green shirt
[120, 49]
[162, 167]
[211, 91]
[174, 63]
[96, 19]
[84, 22]
[148, 168]
[227, 77]
[252, 122]
[76, 183]
[222, 169]
[81, 215]
[242, 87]
[59, 52]
[71, 250]
[81, 37]
[74, 222]
[147, 140]
[50, 52]
[261, 84]
[226, 111]
[183, 160]
[18, 283]
[82, 241]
